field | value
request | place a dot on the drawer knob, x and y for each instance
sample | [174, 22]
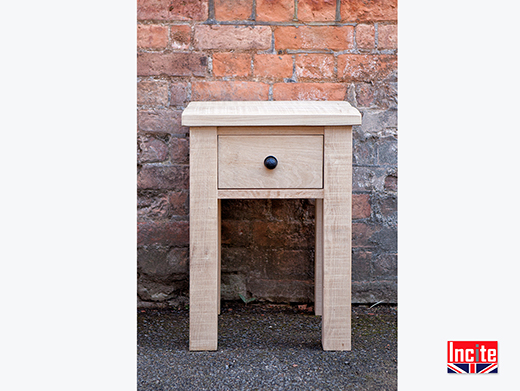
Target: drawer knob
[270, 162]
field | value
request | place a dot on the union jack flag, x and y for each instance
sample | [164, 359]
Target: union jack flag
[472, 368]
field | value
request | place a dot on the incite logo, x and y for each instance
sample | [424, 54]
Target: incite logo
[472, 357]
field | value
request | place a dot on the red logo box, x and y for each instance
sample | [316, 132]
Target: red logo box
[473, 357]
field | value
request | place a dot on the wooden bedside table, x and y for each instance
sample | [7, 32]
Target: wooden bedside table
[296, 149]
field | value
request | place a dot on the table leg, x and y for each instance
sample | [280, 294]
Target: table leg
[219, 275]
[318, 259]
[204, 239]
[337, 232]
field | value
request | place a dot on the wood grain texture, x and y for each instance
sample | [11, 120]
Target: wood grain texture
[219, 275]
[272, 113]
[269, 193]
[268, 130]
[318, 259]
[337, 206]
[204, 239]
[241, 162]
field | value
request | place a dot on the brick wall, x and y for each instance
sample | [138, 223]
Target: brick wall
[264, 50]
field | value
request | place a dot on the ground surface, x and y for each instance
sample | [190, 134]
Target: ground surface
[267, 347]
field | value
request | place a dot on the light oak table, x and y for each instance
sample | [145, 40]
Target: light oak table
[296, 149]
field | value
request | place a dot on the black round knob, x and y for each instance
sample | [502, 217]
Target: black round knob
[270, 162]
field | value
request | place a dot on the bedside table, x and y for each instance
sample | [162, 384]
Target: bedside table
[296, 149]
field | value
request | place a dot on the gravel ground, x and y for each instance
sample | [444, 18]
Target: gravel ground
[267, 347]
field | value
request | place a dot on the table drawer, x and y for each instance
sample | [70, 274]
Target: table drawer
[299, 162]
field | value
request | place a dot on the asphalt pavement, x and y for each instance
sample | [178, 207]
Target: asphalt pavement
[266, 347]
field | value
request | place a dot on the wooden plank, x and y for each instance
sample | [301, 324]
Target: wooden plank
[318, 259]
[204, 243]
[269, 193]
[271, 113]
[241, 162]
[337, 205]
[267, 130]
[219, 274]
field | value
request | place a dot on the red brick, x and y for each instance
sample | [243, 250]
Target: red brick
[152, 36]
[178, 93]
[314, 37]
[248, 209]
[382, 95]
[233, 10]
[172, 10]
[179, 202]
[391, 183]
[387, 36]
[172, 64]
[281, 291]
[389, 206]
[232, 37]
[361, 234]
[159, 177]
[180, 36]
[179, 148]
[365, 67]
[317, 10]
[360, 206]
[365, 94]
[152, 206]
[274, 10]
[282, 234]
[151, 149]
[309, 91]
[361, 265]
[315, 66]
[236, 233]
[292, 210]
[162, 264]
[152, 92]
[229, 90]
[385, 265]
[368, 10]
[365, 36]
[168, 233]
[273, 66]
[291, 264]
[231, 64]
[160, 121]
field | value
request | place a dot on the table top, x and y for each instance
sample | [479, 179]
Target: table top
[271, 113]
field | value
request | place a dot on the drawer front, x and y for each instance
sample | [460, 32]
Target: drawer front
[299, 162]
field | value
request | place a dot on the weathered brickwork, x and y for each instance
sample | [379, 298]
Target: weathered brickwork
[264, 50]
